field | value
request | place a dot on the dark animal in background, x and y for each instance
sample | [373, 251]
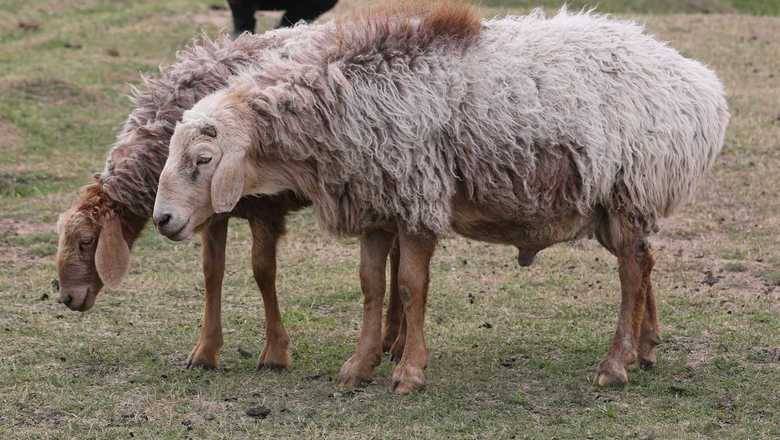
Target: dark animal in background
[295, 10]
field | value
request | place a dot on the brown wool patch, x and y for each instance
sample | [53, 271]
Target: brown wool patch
[441, 19]
[457, 20]
[93, 201]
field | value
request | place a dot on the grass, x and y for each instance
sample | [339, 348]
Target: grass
[117, 371]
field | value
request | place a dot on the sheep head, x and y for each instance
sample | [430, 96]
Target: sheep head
[205, 170]
[92, 250]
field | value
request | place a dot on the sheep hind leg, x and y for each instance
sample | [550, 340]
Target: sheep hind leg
[649, 337]
[374, 247]
[635, 264]
[395, 312]
[205, 354]
[276, 354]
[397, 349]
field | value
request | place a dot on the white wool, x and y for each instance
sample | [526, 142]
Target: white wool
[395, 130]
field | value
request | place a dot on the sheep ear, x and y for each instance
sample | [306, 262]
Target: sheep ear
[112, 256]
[227, 185]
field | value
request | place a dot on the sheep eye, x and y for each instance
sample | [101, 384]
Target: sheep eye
[203, 160]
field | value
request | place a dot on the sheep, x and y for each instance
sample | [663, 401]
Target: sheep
[527, 131]
[97, 232]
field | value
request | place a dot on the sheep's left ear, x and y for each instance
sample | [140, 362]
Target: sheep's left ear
[227, 185]
[112, 256]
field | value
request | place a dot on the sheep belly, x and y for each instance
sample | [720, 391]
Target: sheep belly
[481, 222]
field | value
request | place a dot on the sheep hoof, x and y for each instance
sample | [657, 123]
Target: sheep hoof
[348, 381]
[611, 373]
[263, 365]
[647, 357]
[355, 372]
[274, 359]
[407, 379]
[200, 358]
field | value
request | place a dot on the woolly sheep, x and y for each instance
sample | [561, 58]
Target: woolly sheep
[97, 233]
[526, 131]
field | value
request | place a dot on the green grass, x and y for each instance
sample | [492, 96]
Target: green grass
[118, 370]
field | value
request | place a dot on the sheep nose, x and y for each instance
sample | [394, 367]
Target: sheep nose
[65, 299]
[162, 219]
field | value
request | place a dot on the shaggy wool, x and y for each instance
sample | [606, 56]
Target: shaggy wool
[134, 163]
[396, 114]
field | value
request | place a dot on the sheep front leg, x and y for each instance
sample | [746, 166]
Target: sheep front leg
[374, 247]
[413, 279]
[395, 308]
[635, 264]
[205, 354]
[265, 237]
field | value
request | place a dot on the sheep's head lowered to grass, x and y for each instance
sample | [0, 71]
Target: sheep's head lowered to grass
[204, 173]
[93, 250]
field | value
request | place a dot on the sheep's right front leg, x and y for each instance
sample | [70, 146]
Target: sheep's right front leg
[374, 247]
[205, 354]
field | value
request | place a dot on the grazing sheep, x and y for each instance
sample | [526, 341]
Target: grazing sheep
[97, 232]
[526, 131]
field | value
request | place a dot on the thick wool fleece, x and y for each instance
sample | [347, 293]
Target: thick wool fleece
[134, 163]
[396, 118]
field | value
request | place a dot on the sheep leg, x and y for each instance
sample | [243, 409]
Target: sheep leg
[635, 263]
[205, 354]
[413, 279]
[243, 16]
[394, 315]
[276, 354]
[397, 349]
[395, 331]
[374, 247]
[649, 337]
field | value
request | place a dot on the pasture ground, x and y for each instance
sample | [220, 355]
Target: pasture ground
[513, 350]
